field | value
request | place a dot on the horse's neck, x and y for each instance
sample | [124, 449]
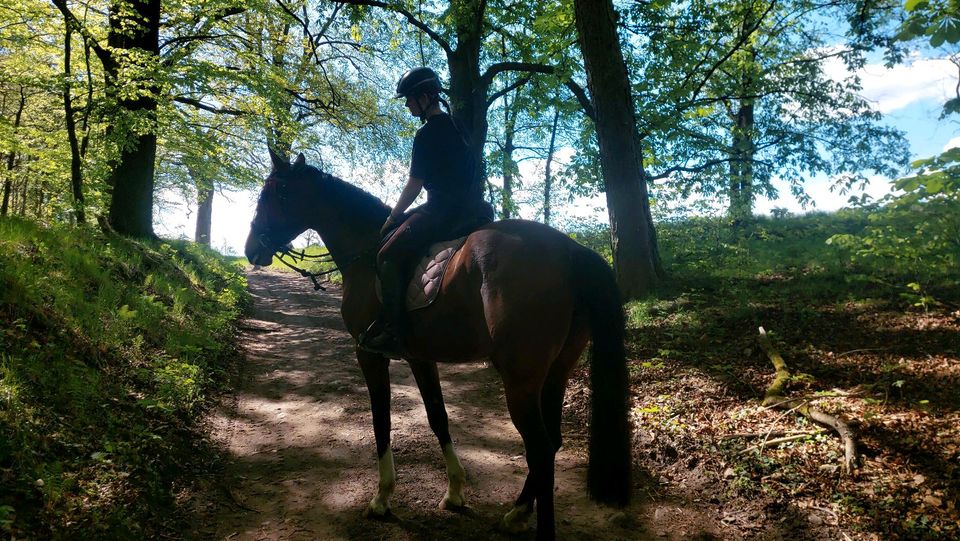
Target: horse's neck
[347, 239]
[347, 247]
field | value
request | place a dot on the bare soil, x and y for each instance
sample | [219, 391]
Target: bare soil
[299, 457]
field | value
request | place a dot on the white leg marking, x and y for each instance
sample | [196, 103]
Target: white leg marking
[517, 520]
[457, 477]
[380, 504]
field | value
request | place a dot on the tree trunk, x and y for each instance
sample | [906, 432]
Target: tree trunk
[204, 212]
[24, 193]
[742, 146]
[468, 91]
[12, 157]
[741, 164]
[633, 239]
[76, 173]
[508, 166]
[547, 173]
[134, 25]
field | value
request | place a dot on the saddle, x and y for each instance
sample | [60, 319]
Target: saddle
[428, 275]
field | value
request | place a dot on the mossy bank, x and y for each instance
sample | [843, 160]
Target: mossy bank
[109, 350]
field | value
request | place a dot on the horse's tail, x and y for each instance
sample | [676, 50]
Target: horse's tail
[608, 473]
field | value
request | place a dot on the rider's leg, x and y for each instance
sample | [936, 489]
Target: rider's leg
[395, 260]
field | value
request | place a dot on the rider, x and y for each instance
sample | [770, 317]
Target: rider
[441, 162]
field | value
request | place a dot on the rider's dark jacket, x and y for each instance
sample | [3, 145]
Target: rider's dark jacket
[441, 158]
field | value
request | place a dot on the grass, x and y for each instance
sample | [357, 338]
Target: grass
[110, 349]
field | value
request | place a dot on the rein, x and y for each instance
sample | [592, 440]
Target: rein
[319, 258]
[303, 256]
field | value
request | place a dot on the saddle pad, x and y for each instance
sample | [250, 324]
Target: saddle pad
[425, 284]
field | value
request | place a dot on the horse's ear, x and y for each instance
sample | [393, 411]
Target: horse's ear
[280, 163]
[300, 161]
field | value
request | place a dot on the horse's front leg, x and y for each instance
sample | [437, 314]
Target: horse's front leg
[376, 373]
[428, 381]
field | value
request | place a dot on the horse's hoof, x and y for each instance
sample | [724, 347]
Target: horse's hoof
[454, 505]
[377, 511]
[516, 521]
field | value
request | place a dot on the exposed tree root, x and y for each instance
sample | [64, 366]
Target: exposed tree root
[774, 398]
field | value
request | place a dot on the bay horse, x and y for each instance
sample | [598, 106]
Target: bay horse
[518, 293]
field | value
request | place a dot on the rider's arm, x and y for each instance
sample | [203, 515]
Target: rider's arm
[407, 197]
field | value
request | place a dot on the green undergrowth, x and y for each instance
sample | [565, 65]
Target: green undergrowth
[853, 254]
[109, 349]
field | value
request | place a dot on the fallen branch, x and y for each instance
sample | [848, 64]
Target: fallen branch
[778, 441]
[750, 435]
[774, 398]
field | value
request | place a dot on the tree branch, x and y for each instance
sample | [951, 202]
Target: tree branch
[684, 169]
[527, 67]
[736, 47]
[582, 97]
[437, 38]
[498, 94]
[530, 67]
[104, 55]
[209, 108]
[774, 397]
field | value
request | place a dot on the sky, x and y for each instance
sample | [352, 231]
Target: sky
[909, 95]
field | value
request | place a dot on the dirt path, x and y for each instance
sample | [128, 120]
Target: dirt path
[301, 462]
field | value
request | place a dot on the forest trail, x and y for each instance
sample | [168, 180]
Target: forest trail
[300, 459]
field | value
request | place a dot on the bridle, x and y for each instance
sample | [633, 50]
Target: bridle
[301, 256]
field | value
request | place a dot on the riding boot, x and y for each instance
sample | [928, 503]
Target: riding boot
[385, 336]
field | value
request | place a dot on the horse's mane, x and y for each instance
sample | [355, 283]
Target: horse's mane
[361, 207]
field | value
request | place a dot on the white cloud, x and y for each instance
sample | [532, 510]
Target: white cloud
[894, 88]
[953, 143]
[818, 189]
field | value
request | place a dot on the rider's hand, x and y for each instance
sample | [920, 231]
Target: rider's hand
[387, 225]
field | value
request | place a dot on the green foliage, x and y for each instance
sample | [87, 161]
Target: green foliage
[710, 248]
[912, 241]
[914, 236]
[741, 93]
[110, 348]
[936, 21]
[906, 254]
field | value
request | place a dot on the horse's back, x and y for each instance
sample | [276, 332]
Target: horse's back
[511, 283]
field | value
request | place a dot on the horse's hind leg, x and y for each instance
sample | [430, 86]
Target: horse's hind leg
[555, 386]
[523, 401]
[428, 380]
[551, 406]
[376, 373]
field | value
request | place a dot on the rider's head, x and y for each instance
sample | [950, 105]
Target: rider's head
[421, 88]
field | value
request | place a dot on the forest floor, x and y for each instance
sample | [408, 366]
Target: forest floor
[299, 460]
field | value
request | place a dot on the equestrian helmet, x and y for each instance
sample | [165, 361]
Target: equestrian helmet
[418, 81]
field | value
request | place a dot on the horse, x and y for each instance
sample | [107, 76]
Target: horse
[518, 293]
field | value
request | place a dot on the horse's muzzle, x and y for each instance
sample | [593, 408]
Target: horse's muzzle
[257, 251]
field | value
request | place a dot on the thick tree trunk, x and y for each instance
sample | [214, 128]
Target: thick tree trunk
[468, 93]
[548, 172]
[204, 212]
[76, 173]
[12, 157]
[635, 255]
[134, 25]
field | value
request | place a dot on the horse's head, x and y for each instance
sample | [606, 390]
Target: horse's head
[281, 210]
